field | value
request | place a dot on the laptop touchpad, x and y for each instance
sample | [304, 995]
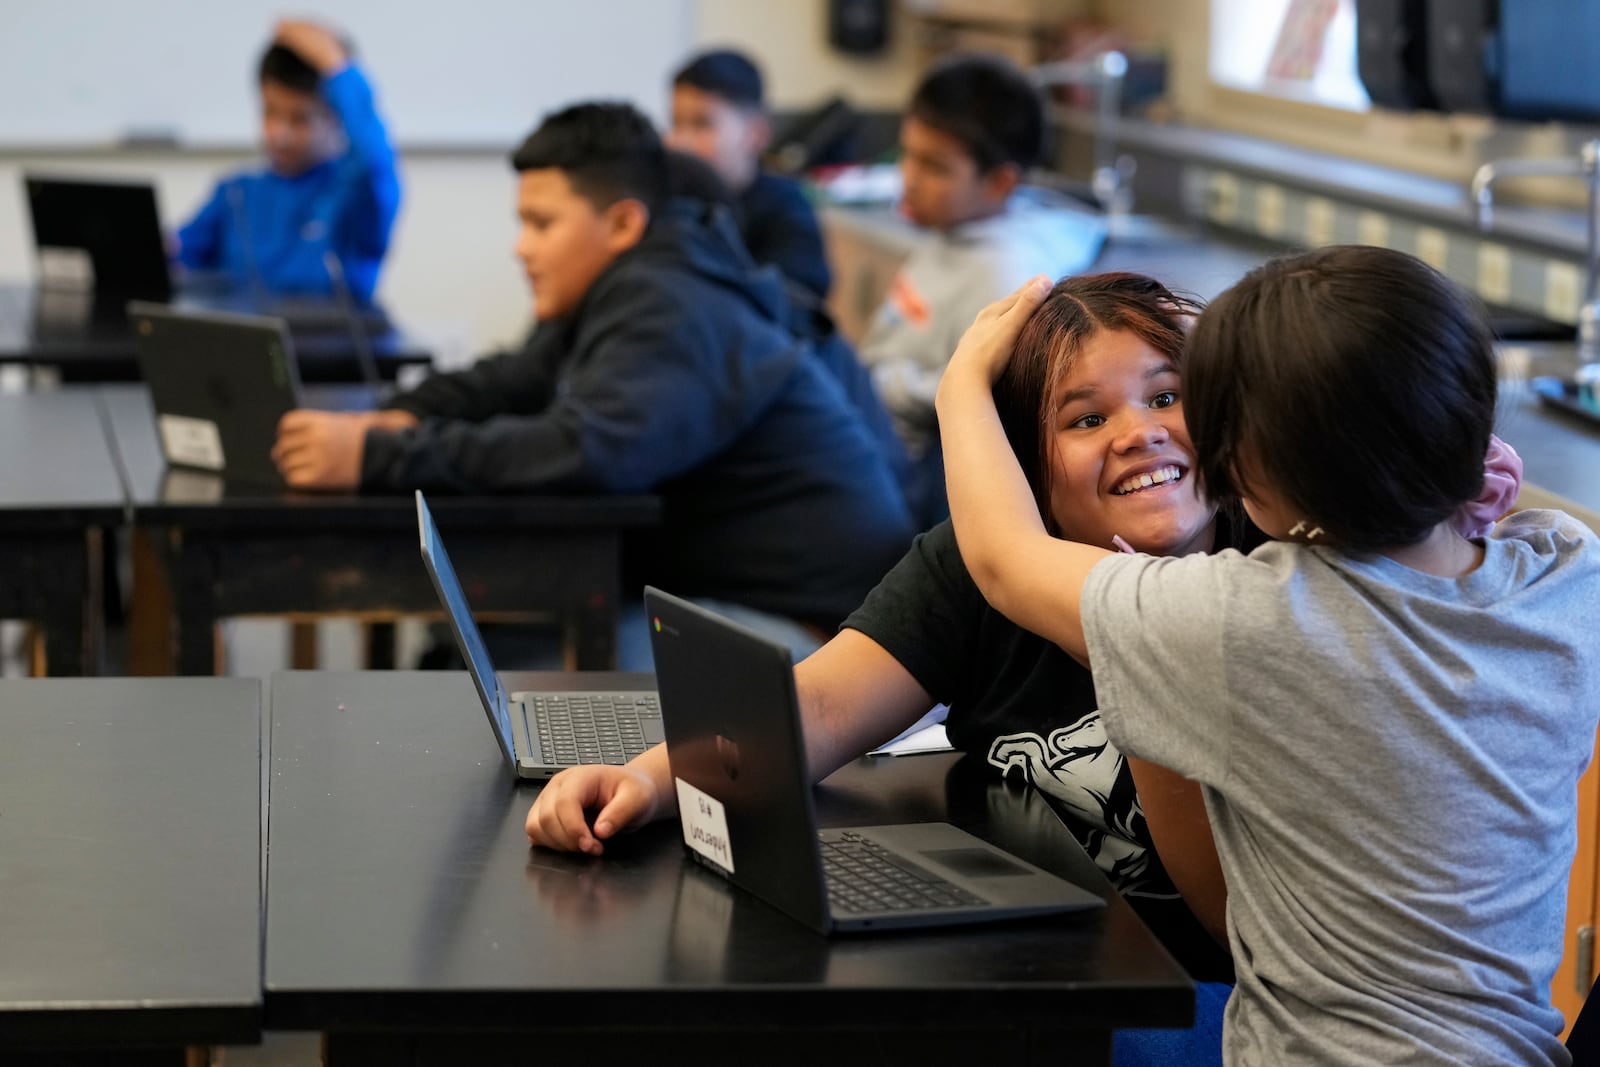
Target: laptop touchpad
[653, 734]
[976, 862]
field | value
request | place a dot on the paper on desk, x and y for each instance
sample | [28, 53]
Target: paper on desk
[927, 734]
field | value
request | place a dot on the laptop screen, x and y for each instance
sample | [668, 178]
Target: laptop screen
[468, 639]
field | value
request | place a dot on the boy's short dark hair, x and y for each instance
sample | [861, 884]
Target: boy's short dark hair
[608, 151]
[1358, 382]
[723, 73]
[987, 104]
[284, 66]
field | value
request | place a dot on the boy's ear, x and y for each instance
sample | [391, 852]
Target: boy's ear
[1001, 182]
[758, 132]
[626, 222]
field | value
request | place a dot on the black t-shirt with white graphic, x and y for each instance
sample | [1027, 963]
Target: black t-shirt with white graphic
[1026, 708]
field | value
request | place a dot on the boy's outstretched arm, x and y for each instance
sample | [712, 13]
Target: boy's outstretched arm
[1035, 580]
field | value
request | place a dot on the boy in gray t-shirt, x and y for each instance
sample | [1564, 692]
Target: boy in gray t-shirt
[1388, 718]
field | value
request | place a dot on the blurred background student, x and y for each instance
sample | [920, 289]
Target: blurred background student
[329, 185]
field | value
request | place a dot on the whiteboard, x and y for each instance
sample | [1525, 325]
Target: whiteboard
[446, 72]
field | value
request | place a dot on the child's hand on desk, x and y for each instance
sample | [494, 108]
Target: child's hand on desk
[322, 449]
[313, 43]
[624, 797]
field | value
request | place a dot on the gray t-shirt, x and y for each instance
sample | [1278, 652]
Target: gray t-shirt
[1390, 763]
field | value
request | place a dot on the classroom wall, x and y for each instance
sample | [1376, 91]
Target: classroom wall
[800, 68]
[451, 275]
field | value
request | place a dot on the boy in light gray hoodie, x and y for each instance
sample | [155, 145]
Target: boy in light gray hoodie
[975, 124]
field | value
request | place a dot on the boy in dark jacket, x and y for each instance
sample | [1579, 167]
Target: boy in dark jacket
[662, 364]
[718, 114]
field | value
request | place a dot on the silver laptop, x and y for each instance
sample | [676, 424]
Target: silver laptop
[539, 733]
[738, 758]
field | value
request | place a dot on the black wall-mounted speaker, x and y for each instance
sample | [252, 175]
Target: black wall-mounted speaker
[1461, 39]
[860, 27]
[1391, 52]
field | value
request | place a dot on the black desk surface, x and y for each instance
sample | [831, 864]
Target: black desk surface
[130, 883]
[404, 895]
[231, 550]
[56, 468]
[196, 498]
[61, 330]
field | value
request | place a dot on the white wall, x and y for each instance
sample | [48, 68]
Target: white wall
[463, 73]
[450, 275]
[789, 39]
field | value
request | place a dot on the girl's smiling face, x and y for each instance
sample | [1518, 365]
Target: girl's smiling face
[1119, 453]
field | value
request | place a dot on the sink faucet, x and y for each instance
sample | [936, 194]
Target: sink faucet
[1585, 165]
[1103, 74]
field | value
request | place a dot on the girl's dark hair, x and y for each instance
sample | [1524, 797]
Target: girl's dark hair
[1077, 309]
[1357, 382]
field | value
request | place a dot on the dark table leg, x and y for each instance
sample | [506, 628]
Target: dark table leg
[69, 607]
[380, 642]
[191, 570]
[592, 633]
[149, 615]
[53, 579]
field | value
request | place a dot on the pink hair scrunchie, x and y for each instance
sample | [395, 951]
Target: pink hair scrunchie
[1502, 480]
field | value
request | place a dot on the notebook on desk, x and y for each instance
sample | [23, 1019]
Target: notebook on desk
[539, 733]
[735, 744]
[219, 384]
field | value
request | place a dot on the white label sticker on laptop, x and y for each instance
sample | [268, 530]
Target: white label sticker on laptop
[705, 826]
[191, 442]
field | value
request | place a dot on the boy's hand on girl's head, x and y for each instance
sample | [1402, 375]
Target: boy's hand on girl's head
[322, 449]
[315, 44]
[558, 819]
[987, 345]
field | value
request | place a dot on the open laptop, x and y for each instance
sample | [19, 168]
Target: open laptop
[117, 227]
[738, 759]
[539, 733]
[219, 384]
[115, 224]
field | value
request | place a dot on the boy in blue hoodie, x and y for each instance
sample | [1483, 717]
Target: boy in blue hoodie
[330, 184]
[661, 363]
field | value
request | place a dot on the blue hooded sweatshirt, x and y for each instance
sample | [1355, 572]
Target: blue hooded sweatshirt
[263, 229]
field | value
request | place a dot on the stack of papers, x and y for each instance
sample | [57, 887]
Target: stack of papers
[927, 734]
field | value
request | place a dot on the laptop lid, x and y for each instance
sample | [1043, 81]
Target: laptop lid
[115, 223]
[718, 683]
[219, 384]
[737, 751]
[468, 638]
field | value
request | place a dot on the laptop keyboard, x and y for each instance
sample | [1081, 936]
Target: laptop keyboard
[863, 876]
[576, 728]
